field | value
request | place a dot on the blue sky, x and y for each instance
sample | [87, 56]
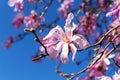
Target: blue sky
[15, 63]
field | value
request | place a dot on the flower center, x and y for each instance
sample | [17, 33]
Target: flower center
[67, 39]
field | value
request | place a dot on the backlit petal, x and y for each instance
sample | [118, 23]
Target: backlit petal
[64, 53]
[81, 41]
[53, 53]
[73, 49]
[55, 33]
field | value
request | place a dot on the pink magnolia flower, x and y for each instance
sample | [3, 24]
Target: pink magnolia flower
[104, 59]
[33, 20]
[18, 20]
[87, 24]
[17, 3]
[99, 67]
[63, 10]
[64, 42]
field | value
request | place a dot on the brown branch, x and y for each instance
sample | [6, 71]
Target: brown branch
[37, 39]
[46, 8]
[115, 62]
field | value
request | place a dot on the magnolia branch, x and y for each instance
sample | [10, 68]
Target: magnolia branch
[73, 75]
[38, 40]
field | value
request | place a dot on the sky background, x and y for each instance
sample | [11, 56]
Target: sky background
[15, 63]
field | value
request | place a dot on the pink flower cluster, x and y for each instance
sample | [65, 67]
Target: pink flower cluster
[59, 42]
[100, 67]
[18, 20]
[33, 20]
[17, 3]
[87, 24]
[63, 10]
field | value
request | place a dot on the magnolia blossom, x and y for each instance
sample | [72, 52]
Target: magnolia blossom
[100, 66]
[59, 41]
[18, 20]
[17, 3]
[63, 10]
[115, 10]
[104, 58]
[87, 24]
[33, 20]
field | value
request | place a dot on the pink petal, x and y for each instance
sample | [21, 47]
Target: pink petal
[53, 53]
[69, 18]
[107, 61]
[59, 45]
[56, 32]
[73, 49]
[74, 26]
[81, 41]
[67, 26]
[115, 23]
[64, 53]
[11, 2]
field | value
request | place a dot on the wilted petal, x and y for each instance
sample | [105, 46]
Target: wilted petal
[64, 53]
[55, 32]
[73, 49]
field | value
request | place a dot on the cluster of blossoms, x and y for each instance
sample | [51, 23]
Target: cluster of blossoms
[64, 9]
[59, 41]
[99, 68]
[17, 3]
[33, 20]
[87, 24]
